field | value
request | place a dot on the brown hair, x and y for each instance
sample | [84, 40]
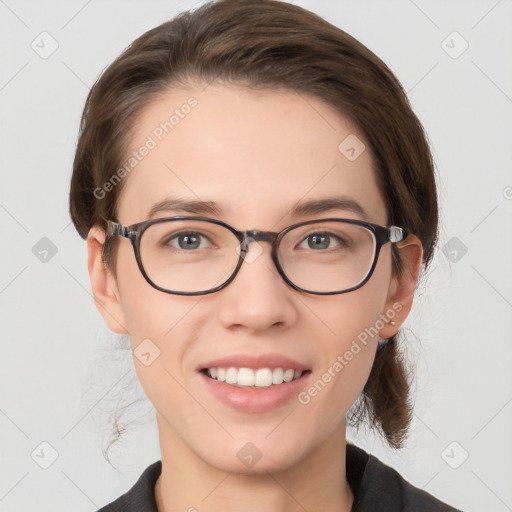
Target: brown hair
[270, 44]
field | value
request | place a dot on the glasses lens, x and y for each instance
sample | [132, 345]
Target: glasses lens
[197, 256]
[327, 256]
[188, 255]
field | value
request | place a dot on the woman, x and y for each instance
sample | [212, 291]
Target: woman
[258, 201]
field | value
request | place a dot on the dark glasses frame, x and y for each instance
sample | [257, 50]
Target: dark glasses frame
[134, 232]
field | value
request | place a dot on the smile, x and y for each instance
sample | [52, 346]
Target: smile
[253, 378]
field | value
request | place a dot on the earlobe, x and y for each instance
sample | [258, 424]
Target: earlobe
[401, 291]
[103, 284]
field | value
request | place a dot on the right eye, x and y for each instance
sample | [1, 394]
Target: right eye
[186, 240]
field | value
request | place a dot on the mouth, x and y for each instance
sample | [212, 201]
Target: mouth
[254, 378]
[253, 383]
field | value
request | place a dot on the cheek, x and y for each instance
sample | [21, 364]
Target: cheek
[352, 323]
[346, 351]
[357, 315]
[160, 326]
[148, 312]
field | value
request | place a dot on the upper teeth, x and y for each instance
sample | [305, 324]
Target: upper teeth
[261, 378]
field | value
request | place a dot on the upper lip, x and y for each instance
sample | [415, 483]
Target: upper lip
[255, 362]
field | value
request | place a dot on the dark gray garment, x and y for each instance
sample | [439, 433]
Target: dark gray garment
[376, 488]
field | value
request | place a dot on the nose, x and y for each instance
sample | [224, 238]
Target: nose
[258, 297]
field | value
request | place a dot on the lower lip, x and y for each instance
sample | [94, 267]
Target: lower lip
[257, 399]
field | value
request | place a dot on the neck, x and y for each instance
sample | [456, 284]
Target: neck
[187, 483]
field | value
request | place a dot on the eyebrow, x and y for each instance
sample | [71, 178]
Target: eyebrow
[316, 206]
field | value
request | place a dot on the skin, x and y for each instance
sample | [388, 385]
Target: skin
[255, 153]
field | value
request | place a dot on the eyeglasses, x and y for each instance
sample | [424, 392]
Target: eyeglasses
[198, 255]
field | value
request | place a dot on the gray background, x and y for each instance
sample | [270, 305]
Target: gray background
[60, 373]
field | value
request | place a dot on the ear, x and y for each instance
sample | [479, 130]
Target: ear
[103, 283]
[401, 290]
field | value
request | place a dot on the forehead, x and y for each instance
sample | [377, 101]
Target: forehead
[255, 153]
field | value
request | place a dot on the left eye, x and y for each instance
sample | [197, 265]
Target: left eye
[323, 241]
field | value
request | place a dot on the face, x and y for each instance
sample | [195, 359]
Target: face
[256, 155]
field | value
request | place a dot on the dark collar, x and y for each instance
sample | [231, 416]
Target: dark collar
[376, 488]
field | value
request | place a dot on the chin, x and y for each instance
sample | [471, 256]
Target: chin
[253, 458]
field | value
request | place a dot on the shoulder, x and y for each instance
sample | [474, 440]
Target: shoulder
[378, 487]
[141, 497]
